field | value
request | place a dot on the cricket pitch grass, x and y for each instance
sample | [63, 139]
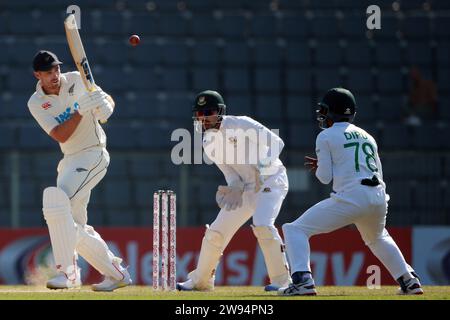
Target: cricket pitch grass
[24, 292]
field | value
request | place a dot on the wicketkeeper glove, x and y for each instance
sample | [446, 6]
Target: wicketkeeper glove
[230, 197]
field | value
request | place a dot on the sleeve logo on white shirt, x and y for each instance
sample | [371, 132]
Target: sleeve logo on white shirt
[46, 105]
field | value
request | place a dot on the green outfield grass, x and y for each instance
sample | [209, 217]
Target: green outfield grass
[220, 293]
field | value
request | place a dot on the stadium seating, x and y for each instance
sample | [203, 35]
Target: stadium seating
[272, 60]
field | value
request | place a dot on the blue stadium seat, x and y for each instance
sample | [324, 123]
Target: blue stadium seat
[265, 26]
[206, 193]
[399, 191]
[414, 27]
[268, 107]
[298, 80]
[443, 54]
[354, 25]
[388, 54]
[267, 79]
[232, 26]
[61, 49]
[298, 53]
[365, 111]
[178, 106]
[173, 25]
[143, 23]
[329, 53]
[236, 53]
[117, 192]
[175, 79]
[296, 26]
[300, 108]
[419, 54]
[358, 54]
[7, 136]
[204, 25]
[30, 193]
[443, 83]
[4, 29]
[236, 79]
[155, 137]
[267, 54]
[391, 108]
[145, 167]
[111, 53]
[395, 136]
[327, 79]
[112, 79]
[148, 54]
[444, 107]
[429, 136]
[147, 104]
[21, 52]
[144, 192]
[303, 135]
[32, 136]
[118, 167]
[205, 78]
[430, 193]
[360, 80]
[21, 79]
[205, 53]
[31, 217]
[141, 79]
[442, 27]
[122, 217]
[175, 54]
[120, 135]
[239, 104]
[104, 22]
[390, 80]
[325, 26]
[45, 164]
[390, 28]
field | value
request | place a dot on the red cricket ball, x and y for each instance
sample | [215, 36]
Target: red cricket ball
[134, 40]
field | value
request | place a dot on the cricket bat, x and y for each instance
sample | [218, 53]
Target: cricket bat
[78, 53]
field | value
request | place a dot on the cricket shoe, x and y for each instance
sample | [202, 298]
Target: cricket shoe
[306, 288]
[410, 287]
[188, 285]
[60, 281]
[272, 287]
[110, 284]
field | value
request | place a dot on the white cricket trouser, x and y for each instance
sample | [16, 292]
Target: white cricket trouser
[78, 174]
[364, 206]
[264, 206]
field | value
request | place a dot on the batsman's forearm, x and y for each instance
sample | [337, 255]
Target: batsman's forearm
[65, 130]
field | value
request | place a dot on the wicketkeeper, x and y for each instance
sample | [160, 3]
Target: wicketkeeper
[254, 189]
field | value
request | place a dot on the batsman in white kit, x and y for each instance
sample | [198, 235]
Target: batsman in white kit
[348, 155]
[254, 189]
[69, 114]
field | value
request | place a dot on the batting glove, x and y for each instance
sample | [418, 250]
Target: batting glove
[89, 101]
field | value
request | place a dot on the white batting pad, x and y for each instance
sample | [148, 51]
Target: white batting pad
[94, 249]
[62, 229]
[210, 253]
[273, 250]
